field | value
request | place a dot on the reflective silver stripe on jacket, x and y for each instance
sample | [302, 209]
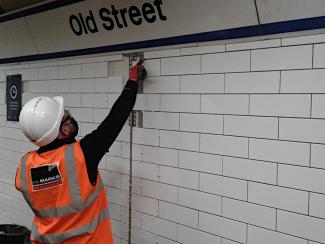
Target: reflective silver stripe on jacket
[77, 204]
[23, 182]
[60, 237]
[60, 212]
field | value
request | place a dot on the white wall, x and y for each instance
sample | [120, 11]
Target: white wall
[232, 149]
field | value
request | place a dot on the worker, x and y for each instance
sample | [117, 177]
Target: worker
[60, 181]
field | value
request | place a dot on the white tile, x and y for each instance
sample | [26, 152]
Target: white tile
[201, 123]
[200, 162]
[119, 229]
[303, 81]
[278, 197]
[178, 214]
[72, 100]
[179, 177]
[162, 240]
[70, 71]
[223, 186]
[222, 227]
[302, 178]
[117, 196]
[111, 179]
[250, 170]
[253, 45]
[140, 236]
[146, 171]
[83, 114]
[48, 73]
[146, 102]
[159, 191]
[117, 164]
[319, 56]
[101, 58]
[193, 236]
[258, 235]
[100, 114]
[115, 211]
[202, 49]
[27, 74]
[226, 62]
[181, 65]
[318, 103]
[226, 241]
[317, 205]
[163, 156]
[249, 213]
[145, 204]
[81, 85]
[280, 105]
[94, 70]
[162, 84]
[136, 151]
[39, 86]
[86, 128]
[3, 77]
[180, 103]
[162, 53]
[250, 126]
[199, 200]
[225, 104]
[115, 149]
[307, 39]
[94, 100]
[282, 58]
[279, 151]
[179, 140]
[152, 67]
[209, 83]
[254, 82]
[224, 145]
[301, 226]
[318, 156]
[146, 136]
[136, 184]
[306, 130]
[159, 226]
[110, 84]
[112, 98]
[119, 68]
[58, 86]
[167, 121]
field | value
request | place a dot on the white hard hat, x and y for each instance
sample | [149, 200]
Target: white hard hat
[40, 119]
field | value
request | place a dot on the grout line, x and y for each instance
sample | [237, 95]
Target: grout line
[280, 81]
[246, 233]
[276, 219]
[277, 174]
[311, 106]
[247, 191]
[313, 55]
[308, 203]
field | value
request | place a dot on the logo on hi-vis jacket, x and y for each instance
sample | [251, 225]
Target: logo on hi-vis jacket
[45, 177]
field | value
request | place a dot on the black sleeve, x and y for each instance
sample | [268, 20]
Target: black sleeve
[97, 143]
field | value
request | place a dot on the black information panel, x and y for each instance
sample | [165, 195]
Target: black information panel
[13, 95]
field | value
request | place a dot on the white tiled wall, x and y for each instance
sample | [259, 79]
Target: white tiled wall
[232, 150]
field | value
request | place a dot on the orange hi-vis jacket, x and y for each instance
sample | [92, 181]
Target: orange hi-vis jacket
[68, 208]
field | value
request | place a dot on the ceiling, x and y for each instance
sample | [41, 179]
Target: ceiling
[12, 5]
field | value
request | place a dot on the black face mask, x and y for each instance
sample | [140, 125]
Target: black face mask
[75, 127]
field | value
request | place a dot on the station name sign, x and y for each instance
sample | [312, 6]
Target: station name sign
[114, 17]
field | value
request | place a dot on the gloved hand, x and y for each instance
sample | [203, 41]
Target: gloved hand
[138, 72]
